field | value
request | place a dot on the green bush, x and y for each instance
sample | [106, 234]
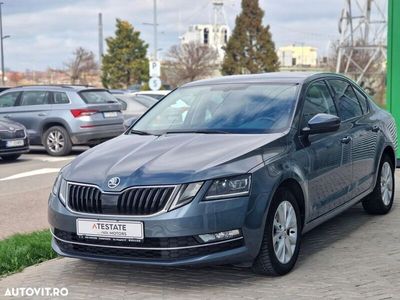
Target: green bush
[22, 250]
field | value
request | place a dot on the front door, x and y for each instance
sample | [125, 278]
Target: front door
[329, 169]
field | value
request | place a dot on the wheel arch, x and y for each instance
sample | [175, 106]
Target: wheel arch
[294, 186]
[389, 151]
[54, 122]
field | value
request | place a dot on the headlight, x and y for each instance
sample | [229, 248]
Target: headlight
[63, 190]
[186, 194]
[57, 183]
[60, 188]
[229, 187]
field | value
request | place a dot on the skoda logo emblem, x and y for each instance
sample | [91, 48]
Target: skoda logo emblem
[11, 128]
[114, 182]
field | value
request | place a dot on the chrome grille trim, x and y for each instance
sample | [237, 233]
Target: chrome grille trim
[123, 196]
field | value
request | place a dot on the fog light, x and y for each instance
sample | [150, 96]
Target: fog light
[220, 236]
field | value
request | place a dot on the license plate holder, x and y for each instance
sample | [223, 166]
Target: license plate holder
[110, 114]
[110, 229]
[15, 143]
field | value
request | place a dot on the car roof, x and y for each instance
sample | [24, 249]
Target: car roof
[56, 87]
[273, 77]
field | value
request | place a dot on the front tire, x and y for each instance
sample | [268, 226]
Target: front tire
[57, 142]
[282, 235]
[380, 201]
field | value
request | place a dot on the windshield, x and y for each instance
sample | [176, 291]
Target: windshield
[232, 108]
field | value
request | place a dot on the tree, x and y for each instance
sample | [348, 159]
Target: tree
[82, 63]
[188, 62]
[125, 62]
[250, 48]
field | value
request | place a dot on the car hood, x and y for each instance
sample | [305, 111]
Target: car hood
[7, 125]
[168, 159]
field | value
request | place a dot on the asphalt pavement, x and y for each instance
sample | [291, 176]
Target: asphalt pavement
[24, 189]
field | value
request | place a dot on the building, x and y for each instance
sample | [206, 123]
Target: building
[213, 35]
[301, 56]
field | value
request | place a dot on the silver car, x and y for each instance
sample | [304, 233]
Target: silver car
[59, 117]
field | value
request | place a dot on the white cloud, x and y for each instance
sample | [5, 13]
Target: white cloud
[45, 35]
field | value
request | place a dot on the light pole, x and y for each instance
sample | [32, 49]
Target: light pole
[155, 32]
[1, 44]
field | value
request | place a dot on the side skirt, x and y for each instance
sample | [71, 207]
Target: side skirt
[314, 223]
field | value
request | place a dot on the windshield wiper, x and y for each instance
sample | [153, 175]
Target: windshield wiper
[139, 132]
[197, 131]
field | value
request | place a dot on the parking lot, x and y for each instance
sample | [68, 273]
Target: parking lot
[353, 256]
[24, 189]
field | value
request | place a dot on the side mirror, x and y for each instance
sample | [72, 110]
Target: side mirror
[322, 123]
[129, 122]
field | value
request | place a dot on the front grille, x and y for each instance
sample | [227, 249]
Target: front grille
[134, 201]
[8, 135]
[118, 253]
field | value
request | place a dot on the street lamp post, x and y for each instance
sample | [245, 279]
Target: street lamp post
[1, 44]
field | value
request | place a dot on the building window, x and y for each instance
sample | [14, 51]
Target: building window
[205, 37]
[225, 33]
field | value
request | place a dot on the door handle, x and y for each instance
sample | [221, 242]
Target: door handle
[42, 114]
[375, 128]
[346, 140]
[7, 116]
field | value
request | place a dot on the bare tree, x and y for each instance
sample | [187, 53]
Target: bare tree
[15, 77]
[188, 62]
[80, 65]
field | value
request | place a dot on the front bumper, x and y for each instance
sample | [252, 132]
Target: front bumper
[170, 238]
[13, 150]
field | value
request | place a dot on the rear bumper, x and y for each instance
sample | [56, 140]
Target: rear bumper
[96, 134]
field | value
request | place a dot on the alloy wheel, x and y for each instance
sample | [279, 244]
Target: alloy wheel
[284, 232]
[386, 183]
[55, 141]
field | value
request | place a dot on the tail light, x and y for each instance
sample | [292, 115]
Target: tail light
[82, 112]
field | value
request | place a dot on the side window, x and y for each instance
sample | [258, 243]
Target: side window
[363, 101]
[34, 98]
[60, 98]
[9, 99]
[318, 100]
[348, 104]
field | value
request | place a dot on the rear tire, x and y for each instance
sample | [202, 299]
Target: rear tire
[281, 242]
[380, 201]
[57, 142]
[11, 157]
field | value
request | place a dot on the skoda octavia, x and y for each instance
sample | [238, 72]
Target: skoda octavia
[228, 170]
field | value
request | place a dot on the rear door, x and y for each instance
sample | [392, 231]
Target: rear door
[32, 109]
[104, 108]
[354, 111]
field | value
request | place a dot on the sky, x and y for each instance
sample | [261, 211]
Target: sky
[44, 33]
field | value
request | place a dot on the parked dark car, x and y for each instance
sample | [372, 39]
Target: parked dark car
[228, 170]
[61, 116]
[13, 140]
[133, 106]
